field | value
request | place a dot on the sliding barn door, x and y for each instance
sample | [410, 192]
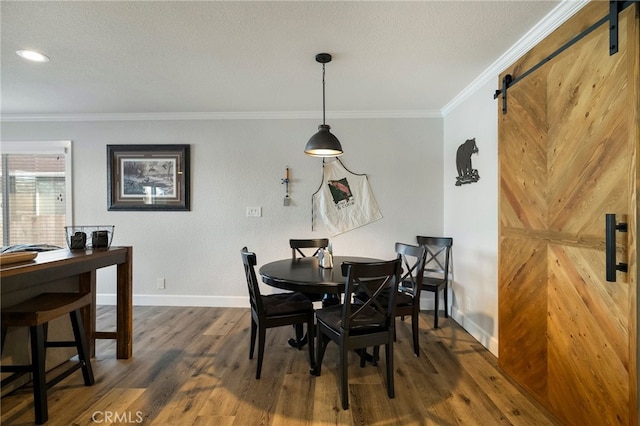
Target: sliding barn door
[568, 148]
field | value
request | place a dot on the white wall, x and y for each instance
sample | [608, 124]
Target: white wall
[471, 210]
[240, 163]
[471, 215]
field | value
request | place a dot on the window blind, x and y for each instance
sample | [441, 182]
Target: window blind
[34, 198]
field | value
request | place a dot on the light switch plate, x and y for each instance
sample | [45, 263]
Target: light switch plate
[254, 211]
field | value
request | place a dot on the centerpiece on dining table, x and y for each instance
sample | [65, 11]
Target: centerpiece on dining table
[325, 257]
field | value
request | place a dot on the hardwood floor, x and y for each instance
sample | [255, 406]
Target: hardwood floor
[191, 366]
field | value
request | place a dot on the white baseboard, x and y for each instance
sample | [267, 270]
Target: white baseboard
[488, 341]
[175, 300]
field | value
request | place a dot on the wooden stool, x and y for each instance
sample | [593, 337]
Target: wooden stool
[36, 313]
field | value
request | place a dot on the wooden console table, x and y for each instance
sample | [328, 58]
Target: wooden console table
[80, 266]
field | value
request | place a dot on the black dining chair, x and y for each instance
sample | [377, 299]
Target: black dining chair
[275, 310]
[408, 303]
[436, 270]
[297, 249]
[297, 245]
[408, 297]
[358, 326]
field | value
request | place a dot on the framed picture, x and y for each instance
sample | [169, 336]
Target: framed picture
[148, 177]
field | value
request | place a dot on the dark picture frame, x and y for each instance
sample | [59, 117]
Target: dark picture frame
[148, 177]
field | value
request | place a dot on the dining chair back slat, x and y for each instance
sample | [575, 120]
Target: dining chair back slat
[298, 244]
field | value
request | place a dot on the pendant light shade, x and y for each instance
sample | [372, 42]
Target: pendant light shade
[323, 143]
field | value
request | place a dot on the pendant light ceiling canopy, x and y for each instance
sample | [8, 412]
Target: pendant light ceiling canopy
[323, 143]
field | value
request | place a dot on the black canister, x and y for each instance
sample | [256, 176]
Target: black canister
[78, 241]
[100, 239]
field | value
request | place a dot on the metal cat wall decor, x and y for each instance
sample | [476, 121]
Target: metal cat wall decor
[466, 173]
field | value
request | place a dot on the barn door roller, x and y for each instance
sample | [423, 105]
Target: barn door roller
[615, 7]
[610, 247]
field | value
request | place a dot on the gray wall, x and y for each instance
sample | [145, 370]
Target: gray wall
[240, 163]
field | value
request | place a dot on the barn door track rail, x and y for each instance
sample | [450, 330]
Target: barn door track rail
[615, 7]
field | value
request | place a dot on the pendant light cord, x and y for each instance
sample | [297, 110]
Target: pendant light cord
[323, 107]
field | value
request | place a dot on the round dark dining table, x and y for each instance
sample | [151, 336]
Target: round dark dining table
[304, 275]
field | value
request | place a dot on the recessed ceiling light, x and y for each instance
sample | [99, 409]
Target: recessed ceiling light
[32, 55]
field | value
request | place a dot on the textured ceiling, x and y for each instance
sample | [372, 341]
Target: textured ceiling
[241, 56]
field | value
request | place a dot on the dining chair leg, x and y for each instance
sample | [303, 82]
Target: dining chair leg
[446, 301]
[254, 331]
[344, 375]
[4, 337]
[311, 339]
[389, 357]
[415, 331]
[376, 355]
[39, 378]
[435, 310]
[299, 335]
[262, 334]
[323, 341]
[363, 357]
[82, 347]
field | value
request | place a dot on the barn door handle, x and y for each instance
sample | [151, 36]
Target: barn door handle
[610, 252]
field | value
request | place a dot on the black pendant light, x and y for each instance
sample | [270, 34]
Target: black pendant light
[323, 143]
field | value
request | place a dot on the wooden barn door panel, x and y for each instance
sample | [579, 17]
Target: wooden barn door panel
[567, 156]
[522, 291]
[588, 352]
[523, 324]
[523, 162]
[588, 134]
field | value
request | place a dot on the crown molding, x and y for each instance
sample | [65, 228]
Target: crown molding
[274, 115]
[535, 35]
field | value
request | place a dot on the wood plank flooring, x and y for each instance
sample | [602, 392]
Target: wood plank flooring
[191, 367]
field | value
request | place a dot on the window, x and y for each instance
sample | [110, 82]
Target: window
[35, 186]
